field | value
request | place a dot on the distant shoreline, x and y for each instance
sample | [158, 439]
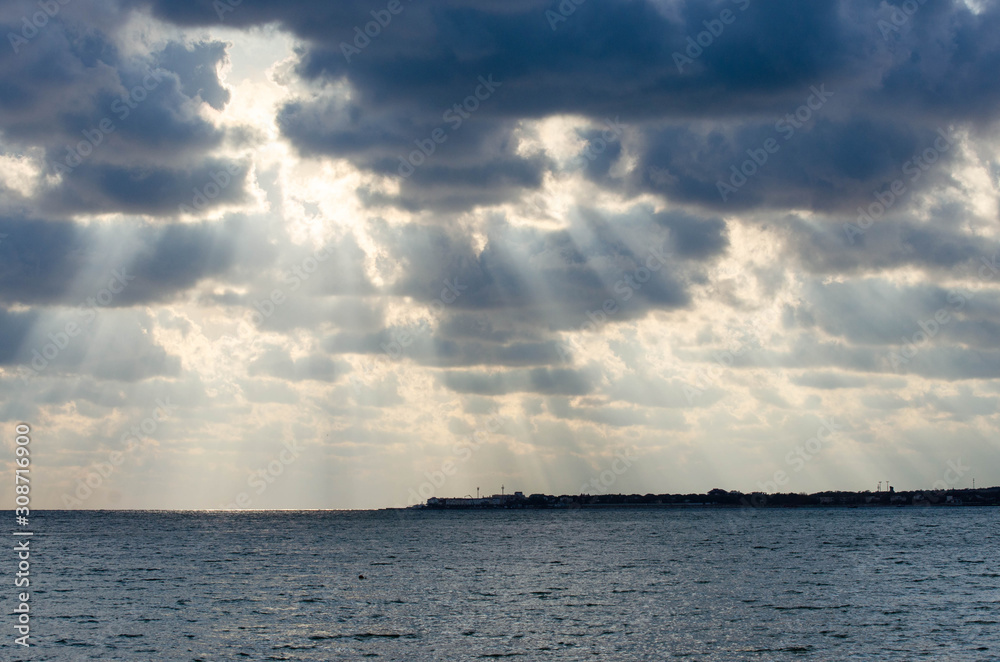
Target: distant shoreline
[719, 498]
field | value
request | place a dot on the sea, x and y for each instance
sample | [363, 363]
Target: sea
[870, 584]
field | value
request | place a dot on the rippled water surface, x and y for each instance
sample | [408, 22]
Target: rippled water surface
[700, 584]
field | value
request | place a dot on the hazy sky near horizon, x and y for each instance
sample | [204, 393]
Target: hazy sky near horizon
[738, 243]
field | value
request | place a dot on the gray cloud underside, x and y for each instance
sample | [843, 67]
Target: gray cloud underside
[892, 89]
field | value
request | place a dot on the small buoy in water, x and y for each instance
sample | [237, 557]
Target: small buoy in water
[361, 576]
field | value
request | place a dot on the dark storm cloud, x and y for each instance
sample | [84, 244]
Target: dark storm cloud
[867, 105]
[64, 263]
[889, 88]
[51, 94]
[477, 162]
[599, 154]
[144, 189]
[695, 237]
[121, 131]
[826, 166]
[894, 241]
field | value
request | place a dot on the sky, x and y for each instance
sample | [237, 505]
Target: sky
[302, 254]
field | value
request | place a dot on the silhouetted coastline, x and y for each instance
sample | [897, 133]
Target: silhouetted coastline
[722, 499]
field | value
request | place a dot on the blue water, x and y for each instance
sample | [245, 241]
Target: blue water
[701, 584]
